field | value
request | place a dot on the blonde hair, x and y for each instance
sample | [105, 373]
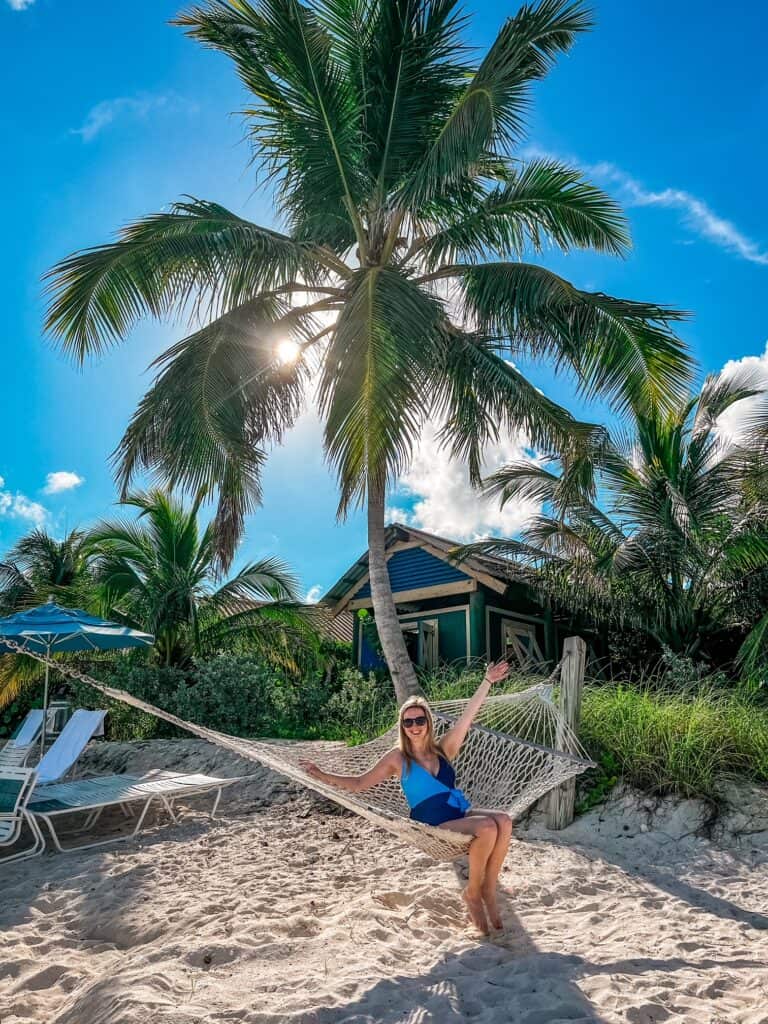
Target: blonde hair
[404, 741]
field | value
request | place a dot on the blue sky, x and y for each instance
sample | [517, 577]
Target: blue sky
[109, 113]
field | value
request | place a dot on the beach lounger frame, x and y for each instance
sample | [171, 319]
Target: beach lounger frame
[16, 786]
[93, 796]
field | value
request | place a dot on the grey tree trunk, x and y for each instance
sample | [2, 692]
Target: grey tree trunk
[387, 624]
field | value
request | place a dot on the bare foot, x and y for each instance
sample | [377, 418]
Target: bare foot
[494, 916]
[476, 911]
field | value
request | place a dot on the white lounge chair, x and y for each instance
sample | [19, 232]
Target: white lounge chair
[69, 745]
[16, 751]
[16, 785]
[92, 796]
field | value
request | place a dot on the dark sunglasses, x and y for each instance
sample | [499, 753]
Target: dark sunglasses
[408, 723]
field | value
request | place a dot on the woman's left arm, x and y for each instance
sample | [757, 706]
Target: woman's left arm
[453, 739]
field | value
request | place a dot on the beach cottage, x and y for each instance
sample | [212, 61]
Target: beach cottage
[450, 613]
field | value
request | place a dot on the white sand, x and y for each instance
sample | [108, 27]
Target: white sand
[286, 911]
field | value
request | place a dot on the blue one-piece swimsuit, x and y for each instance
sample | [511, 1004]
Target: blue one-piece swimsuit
[433, 799]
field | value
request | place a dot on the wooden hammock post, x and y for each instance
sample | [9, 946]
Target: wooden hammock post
[562, 801]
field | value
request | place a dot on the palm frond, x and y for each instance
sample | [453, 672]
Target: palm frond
[373, 388]
[478, 394]
[618, 347]
[269, 579]
[196, 254]
[221, 396]
[305, 126]
[544, 202]
[489, 115]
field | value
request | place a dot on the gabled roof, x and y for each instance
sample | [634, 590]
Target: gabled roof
[496, 573]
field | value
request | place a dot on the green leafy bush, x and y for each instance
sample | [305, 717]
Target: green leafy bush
[12, 714]
[233, 693]
[362, 707]
[156, 685]
[239, 695]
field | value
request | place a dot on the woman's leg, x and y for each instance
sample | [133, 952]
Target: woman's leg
[493, 865]
[485, 831]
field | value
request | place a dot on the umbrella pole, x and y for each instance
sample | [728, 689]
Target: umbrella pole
[45, 705]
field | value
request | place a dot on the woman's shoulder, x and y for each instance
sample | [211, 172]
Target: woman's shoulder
[394, 757]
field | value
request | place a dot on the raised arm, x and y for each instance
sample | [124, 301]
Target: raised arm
[383, 769]
[453, 739]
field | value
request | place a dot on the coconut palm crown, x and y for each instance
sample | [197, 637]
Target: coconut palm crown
[405, 271]
[157, 572]
[38, 567]
[663, 527]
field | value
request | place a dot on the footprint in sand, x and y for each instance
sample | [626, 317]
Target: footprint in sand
[393, 900]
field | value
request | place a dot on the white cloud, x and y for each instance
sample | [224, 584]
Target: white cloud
[697, 215]
[314, 594]
[105, 113]
[20, 5]
[446, 504]
[19, 506]
[62, 480]
[753, 372]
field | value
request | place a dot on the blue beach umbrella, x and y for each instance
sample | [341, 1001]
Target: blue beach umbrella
[51, 629]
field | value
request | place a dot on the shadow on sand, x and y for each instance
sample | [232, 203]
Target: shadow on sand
[511, 977]
[664, 879]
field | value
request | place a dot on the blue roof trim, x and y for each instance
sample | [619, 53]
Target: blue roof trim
[415, 568]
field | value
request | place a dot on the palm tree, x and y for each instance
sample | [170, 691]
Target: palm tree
[665, 529]
[37, 567]
[403, 276]
[157, 573]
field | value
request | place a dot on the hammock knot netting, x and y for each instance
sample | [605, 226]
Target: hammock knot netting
[518, 749]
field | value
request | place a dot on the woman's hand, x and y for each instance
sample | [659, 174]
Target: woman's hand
[311, 769]
[496, 672]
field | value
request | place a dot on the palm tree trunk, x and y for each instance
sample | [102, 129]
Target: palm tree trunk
[387, 624]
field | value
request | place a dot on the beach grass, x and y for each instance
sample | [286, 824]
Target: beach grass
[663, 742]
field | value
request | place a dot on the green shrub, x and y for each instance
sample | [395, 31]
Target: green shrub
[155, 684]
[239, 695]
[13, 714]
[362, 707]
[233, 693]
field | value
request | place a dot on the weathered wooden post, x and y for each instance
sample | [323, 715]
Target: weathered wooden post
[562, 800]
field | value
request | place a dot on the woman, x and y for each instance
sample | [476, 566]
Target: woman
[424, 768]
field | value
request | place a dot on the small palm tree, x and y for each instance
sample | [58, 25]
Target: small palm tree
[405, 276]
[664, 529]
[37, 567]
[158, 573]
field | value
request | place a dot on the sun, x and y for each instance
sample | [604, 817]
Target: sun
[287, 351]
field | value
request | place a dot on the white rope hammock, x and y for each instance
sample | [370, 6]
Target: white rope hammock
[519, 748]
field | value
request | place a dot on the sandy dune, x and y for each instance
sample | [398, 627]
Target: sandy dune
[286, 911]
